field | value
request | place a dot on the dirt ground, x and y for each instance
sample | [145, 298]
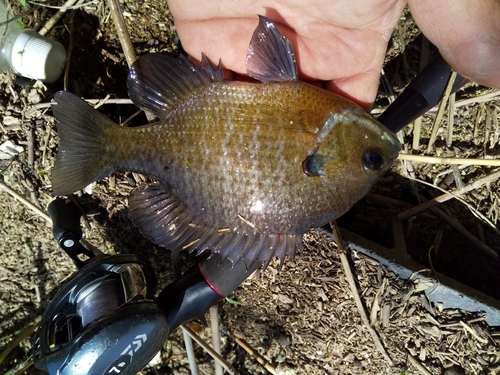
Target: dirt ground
[302, 320]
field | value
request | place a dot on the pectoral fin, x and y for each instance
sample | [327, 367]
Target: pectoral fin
[166, 220]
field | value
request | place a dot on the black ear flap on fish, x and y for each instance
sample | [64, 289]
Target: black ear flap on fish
[156, 82]
[270, 55]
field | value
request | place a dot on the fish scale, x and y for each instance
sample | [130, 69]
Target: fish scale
[235, 155]
[244, 168]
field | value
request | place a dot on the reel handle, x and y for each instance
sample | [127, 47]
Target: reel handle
[66, 230]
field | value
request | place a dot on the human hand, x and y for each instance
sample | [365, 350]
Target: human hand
[343, 43]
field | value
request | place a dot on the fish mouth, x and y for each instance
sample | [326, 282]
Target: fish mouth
[387, 134]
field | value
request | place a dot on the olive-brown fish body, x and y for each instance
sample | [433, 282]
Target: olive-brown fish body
[246, 168]
[236, 149]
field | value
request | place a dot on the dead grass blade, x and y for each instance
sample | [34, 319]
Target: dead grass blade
[439, 160]
[447, 196]
[442, 106]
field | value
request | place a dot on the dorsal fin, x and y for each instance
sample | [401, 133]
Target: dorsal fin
[156, 82]
[270, 55]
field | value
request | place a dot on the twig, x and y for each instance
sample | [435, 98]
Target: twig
[46, 140]
[418, 365]
[188, 344]
[456, 196]
[460, 228]
[469, 321]
[121, 30]
[451, 118]
[417, 126]
[442, 106]
[478, 99]
[214, 322]
[445, 197]
[70, 49]
[457, 177]
[435, 248]
[64, 6]
[15, 17]
[469, 329]
[56, 17]
[487, 127]
[209, 350]
[21, 369]
[354, 291]
[38, 106]
[30, 137]
[477, 122]
[19, 337]
[254, 353]
[25, 202]
[438, 160]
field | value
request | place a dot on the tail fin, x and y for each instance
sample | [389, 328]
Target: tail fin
[82, 132]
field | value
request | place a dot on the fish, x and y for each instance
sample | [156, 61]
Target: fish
[244, 169]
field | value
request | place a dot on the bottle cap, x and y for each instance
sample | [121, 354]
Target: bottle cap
[37, 57]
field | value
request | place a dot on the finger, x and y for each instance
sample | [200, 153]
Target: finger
[361, 88]
[467, 33]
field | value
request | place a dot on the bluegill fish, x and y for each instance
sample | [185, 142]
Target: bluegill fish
[244, 168]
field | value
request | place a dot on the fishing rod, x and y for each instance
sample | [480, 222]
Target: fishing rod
[423, 93]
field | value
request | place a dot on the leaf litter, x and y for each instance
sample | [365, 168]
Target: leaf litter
[302, 320]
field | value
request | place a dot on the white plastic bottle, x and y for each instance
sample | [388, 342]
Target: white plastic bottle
[28, 53]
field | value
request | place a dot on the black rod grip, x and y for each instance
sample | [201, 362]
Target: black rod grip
[423, 93]
[201, 287]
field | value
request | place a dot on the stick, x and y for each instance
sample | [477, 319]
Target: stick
[438, 160]
[70, 50]
[460, 228]
[445, 197]
[18, 338]
[418, 365]
[188, 343]
[121, 30]
[451, 118]
[254, 353]
[478, 99]
[214, 321]
[469, 329]
[354, 290]
[30, 137]
[24, 201]
[209, 350]
[56, 17]
[442, 106]
[417, 126]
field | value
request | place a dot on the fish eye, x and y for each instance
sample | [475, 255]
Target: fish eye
[313, 165]
[373, 160]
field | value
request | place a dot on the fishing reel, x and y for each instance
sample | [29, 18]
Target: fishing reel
[105, 319]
